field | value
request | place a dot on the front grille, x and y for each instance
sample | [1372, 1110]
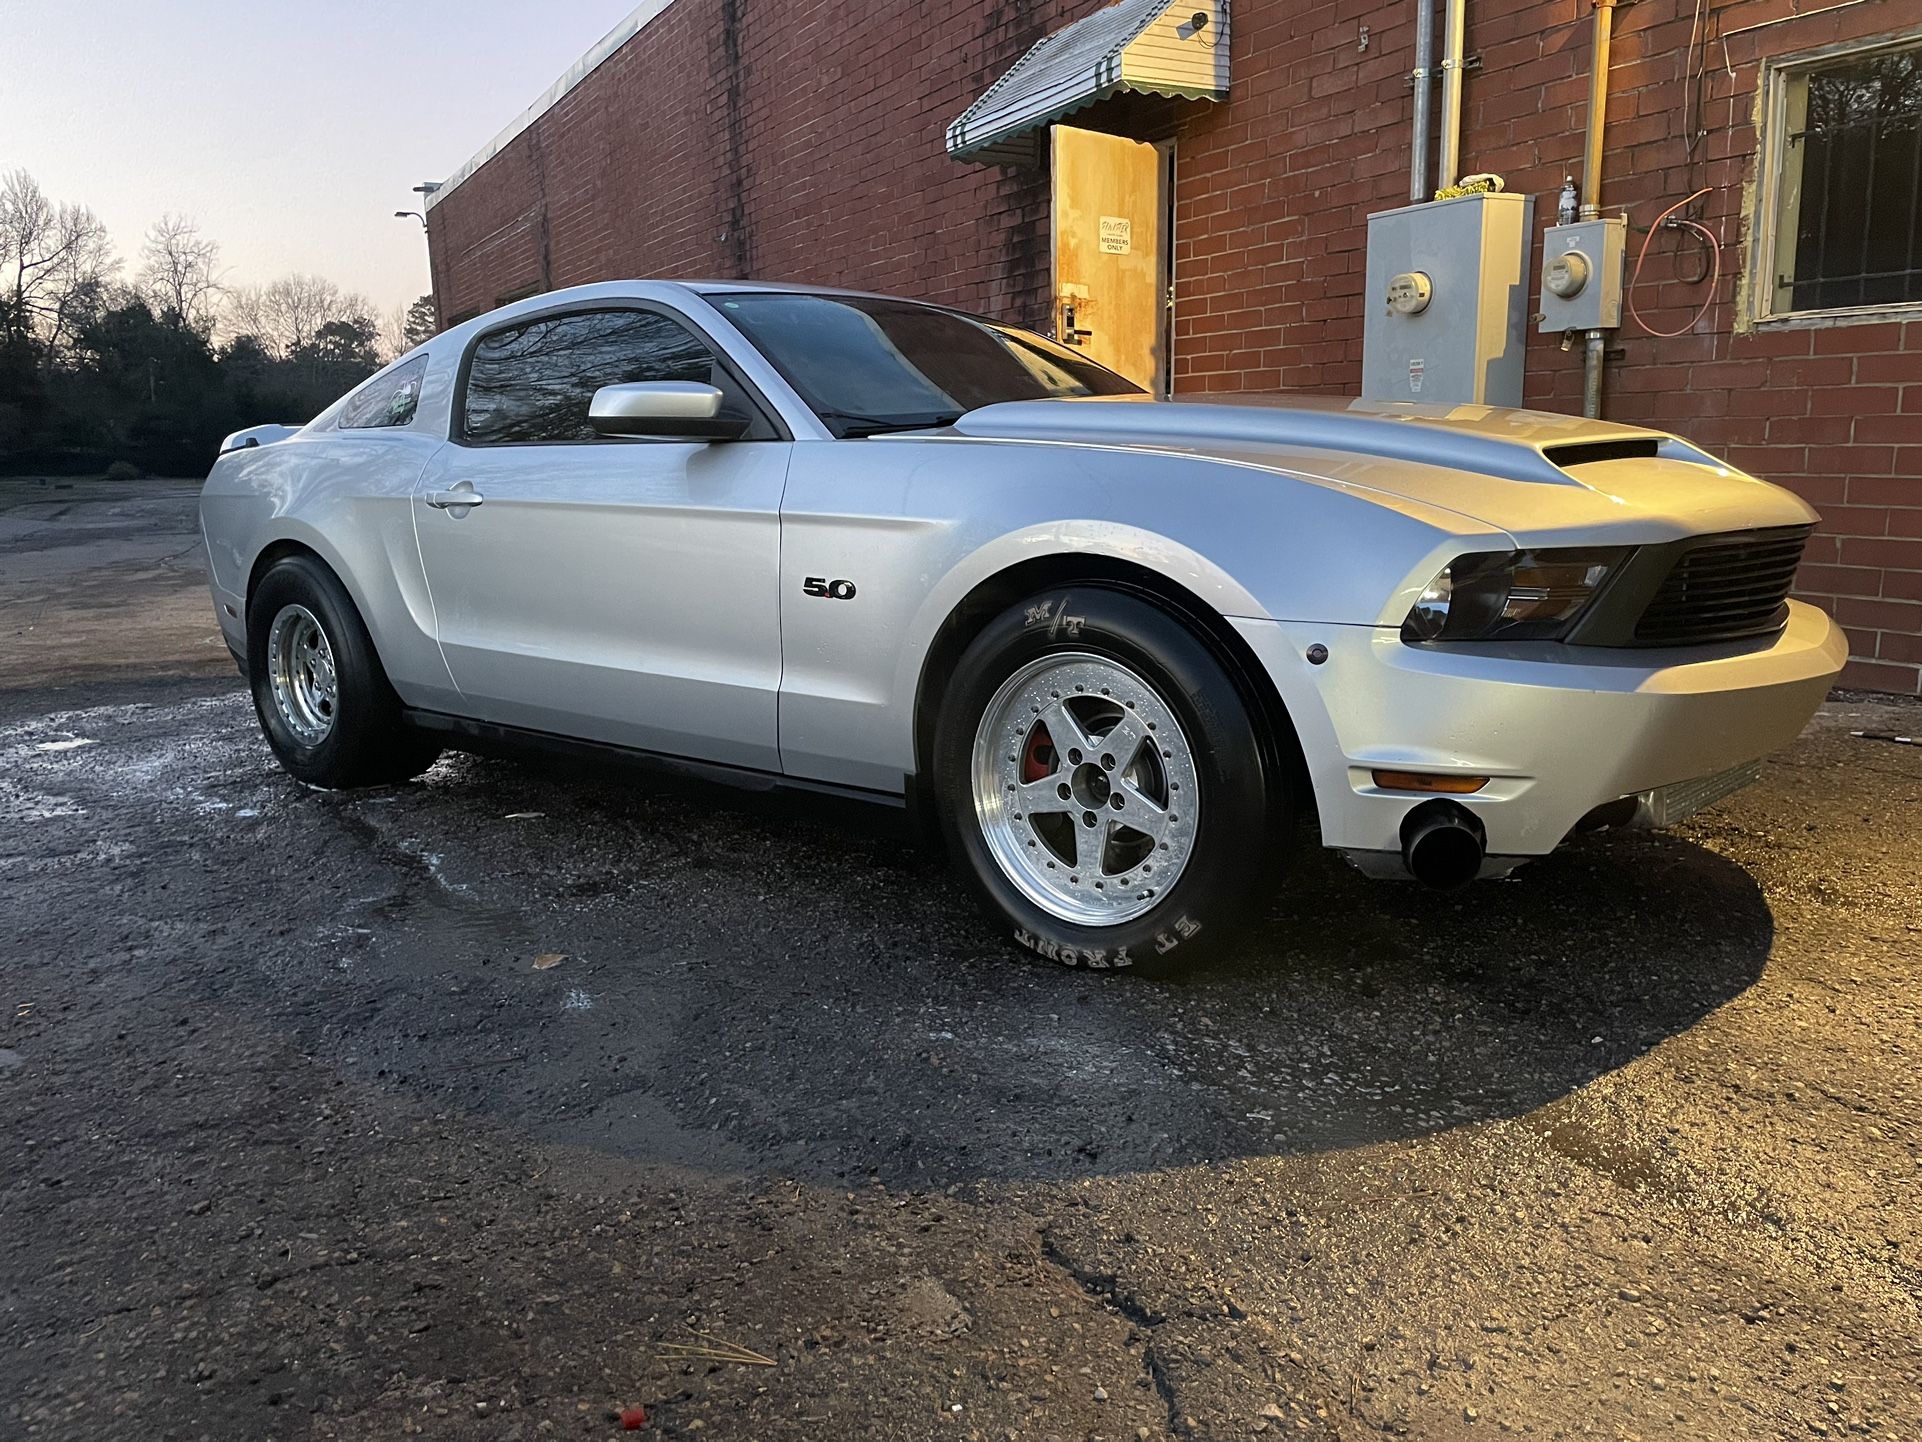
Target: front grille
[1725, 588]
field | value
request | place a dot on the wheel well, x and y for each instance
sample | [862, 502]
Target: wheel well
[1280, 747]
[272, 554]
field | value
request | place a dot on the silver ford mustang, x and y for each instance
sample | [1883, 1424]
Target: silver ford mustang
[1109, 645]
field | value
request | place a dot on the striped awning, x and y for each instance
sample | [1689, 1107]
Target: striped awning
[1155, 47]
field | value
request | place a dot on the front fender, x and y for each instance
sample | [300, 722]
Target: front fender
[1062, 543]
[917, 525]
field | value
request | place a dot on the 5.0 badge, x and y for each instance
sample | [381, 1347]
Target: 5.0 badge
[833, 590]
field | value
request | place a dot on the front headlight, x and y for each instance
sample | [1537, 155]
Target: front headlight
[1511, 595]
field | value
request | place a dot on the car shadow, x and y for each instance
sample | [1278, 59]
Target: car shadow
[743, 992]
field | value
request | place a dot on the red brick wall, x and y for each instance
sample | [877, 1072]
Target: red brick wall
[744, 137]
[804, 140]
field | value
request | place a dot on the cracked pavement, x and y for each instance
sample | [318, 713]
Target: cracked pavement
[302, 1144]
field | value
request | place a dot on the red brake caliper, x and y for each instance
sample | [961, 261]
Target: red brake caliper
[1038, 760]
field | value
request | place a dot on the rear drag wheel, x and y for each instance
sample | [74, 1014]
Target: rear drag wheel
[323, 700]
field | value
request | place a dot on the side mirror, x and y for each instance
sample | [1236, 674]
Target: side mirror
[663, 410]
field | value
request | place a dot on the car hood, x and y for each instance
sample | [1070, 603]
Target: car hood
[1520, 470]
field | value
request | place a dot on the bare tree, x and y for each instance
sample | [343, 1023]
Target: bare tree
[393, 341]
[285, 314]
[243, 311]
[179, 272]
[53, 258]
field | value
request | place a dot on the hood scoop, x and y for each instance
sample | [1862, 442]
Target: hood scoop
[1517, 445]
[1588, 453]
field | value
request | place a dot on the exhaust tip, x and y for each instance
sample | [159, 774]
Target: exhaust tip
[1443, 845]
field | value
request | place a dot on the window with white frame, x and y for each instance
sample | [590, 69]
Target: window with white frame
[1844, 165]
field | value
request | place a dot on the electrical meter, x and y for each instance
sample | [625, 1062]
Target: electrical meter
[1582, 275]
[1447, 301]
[1566, 274]
[1408, 293]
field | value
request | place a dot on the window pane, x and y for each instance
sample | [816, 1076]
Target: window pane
[866, 364]
[388, 400]
[534, 382]
[1857, 237]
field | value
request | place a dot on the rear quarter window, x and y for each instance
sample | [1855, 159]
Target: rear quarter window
[389, 399]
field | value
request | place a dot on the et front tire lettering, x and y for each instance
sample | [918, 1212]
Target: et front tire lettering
[1095, 959]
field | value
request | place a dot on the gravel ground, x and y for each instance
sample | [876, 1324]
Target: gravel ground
[303, 1143]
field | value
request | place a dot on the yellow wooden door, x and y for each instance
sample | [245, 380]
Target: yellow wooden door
[1108, 251]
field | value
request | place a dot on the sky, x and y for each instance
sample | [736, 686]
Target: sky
[291, 130]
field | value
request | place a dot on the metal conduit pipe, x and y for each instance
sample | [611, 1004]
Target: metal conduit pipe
[1454, 41]
[1593, 353]
[1424, 99]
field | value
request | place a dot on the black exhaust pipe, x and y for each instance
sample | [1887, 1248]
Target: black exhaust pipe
[1442, 845]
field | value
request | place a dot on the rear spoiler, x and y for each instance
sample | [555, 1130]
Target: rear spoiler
[257, 436]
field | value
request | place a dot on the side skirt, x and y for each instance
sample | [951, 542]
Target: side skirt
[751, 789]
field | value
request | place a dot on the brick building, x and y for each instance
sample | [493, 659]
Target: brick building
[809, 140]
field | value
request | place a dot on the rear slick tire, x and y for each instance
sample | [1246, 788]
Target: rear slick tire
[1100, 782]
[324, 702]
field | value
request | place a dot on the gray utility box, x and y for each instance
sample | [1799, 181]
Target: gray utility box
[1447, 301]
[1582, 274]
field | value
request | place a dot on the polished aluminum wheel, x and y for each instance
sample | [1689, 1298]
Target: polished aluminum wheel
[1084, 788]
[300, 669]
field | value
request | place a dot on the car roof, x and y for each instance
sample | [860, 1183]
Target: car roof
[777, 287]
[643, 288]
[732, 287]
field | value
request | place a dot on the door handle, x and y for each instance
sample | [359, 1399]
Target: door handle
[457, 498]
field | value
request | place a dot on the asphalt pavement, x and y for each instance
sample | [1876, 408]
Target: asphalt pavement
[308, 1134]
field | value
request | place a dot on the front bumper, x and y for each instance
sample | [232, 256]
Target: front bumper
[1560, 730]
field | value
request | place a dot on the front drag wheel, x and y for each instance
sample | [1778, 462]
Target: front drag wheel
[1101, 782]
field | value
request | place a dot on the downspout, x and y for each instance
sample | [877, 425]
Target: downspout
[1423, 74]
[434, 287]
[1593, 352]
[1454, 42]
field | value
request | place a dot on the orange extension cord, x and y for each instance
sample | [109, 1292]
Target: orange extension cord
[1714, 274]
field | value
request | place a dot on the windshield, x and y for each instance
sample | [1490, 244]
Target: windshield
[871, 365]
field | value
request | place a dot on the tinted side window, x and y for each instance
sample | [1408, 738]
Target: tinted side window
[388, 400]
[867, 365]
[533, 382]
